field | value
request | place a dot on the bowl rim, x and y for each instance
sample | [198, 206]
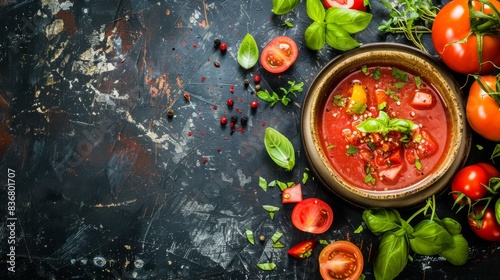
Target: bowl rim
[461, 134]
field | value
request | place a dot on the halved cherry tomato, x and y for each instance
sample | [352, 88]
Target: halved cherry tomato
[483, 112]
[279, 54]
[470, 182]
[312, 215]
[292, 194]
[341, 260]
[486, 226]
[303, 249]
[348, 4]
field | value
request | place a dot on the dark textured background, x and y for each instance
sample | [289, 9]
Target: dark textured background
[109, 188]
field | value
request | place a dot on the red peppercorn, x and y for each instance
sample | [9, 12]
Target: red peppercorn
[254, 104]
[230, 103]
[223, 47]
[223, 120]
[256, 79]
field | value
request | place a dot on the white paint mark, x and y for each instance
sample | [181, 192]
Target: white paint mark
[243, 179]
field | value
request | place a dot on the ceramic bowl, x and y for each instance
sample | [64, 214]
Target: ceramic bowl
[400, 56]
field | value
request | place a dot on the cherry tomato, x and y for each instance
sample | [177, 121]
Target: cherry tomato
[341, 260]
[483, 112]
[292, 194]
[348, 4]
[312, 215]
[303, 249]
[487, 226]
[279, 54]
[470, 180]
[459, 52]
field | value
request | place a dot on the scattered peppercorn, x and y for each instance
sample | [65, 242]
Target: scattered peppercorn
[247, 82]
[256, 79]
[223, 47]
[216, 64]
[223, 120]
[262, 238]
[217, 43]
[254, 104]
[234, 119]
[230, 103]
[170, 113]
[244, 120]
[187, 97]
[257, 87]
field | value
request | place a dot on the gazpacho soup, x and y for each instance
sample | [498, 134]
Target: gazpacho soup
[384, 128]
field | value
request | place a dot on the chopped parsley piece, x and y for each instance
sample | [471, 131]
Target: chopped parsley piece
[364, 69]
[266, 266]
[352, 150]
[359, 229]
[382, 106]
[399, 85]
[369, 179]
[339, 100]
[358, 108]
[418, 81]
[418, 164]
[276, 236]
[399, 74]
[329, 147]
[371, 145]
[278, 245]
[263, 184]
[376, 74]
[249, 235]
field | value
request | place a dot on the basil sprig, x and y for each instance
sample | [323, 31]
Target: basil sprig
[335, 26]
[279, 148]
[384, 124]
[248, 53]
[431, 236]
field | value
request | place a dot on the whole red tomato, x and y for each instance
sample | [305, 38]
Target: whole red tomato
[470, 181]
[459, 52]
[483, 112]
[486, 226]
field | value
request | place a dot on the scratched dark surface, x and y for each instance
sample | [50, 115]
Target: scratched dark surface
[107, 187]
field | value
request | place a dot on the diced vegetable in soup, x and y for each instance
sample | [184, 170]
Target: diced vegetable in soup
[384, 128]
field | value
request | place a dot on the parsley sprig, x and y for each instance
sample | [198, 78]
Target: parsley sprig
[274, 98]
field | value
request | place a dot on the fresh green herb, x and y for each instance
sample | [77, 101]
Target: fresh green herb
[273, 98]
[418, 164]
[399, 85]
[279, 148]
[359, 229]
[399, 74]
[479, 147]
[248, 53]
[431, 236]
[418, 81]
[278, 245]
[283, 185]
[369, 179]
[413, 18]
[382, 106]
[323, 242]
[384, 124]
[339, 100]
[267, 266]
[263, 184]
[288, 24]
[276, 236]
[250, 236]
[364, 69]
[358, 108]
[281, 7]
[334, 26]
[496, 152]
[418, 138]
[329, 147]
[376, 74]
[352, 150]
[271, 209]
[305, 177]
[371, 145]
[272, 183]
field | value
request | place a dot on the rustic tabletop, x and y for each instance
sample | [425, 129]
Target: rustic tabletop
[108, 186]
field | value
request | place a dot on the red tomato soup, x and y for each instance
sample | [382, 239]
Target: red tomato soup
[384, 128]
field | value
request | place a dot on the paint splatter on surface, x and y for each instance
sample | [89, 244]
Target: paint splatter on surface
[109, 187]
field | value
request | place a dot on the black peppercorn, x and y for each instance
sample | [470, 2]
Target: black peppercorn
[217, 43]
[244, 120]
[170, 113]
[234, 119]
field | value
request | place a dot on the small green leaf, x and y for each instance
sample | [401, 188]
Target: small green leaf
[359, 229]
[323, 242]
[281, 7]
[279, 148]
[288, 24]
[418, 81]
[282, 185]
[305, 177]
[278, 245]
[352, 150]
[479, 147]
[496, 152]
[248, 53]
[399, 85]
[418, 164]
[350, 20]
[315, 10]
[399, 74]
[276, 236]
[315, 36]
[267, 266]
[270, 208]
[250, 236]
[263, 184]
[339, 39]
[376, 74]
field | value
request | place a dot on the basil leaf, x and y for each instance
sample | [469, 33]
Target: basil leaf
[338, 38]
[315, 36]
[276, 236]
[248, 53]
[402, 125]
[459, 252]
[281, 7]
[380, 220]
[250, 237]
[429, 238]
[278, 245]
[279, 148]
[315, 10]
[452, 226]
[392, 256]
[270, 208]
[352, 21]
[263, 184]
[266, 266]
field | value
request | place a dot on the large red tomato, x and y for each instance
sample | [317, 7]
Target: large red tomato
[470, 181]
[279, 54]
[486, 226]
[459, 52]
[483, 112]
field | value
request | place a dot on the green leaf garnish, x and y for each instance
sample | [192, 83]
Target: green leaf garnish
[250, 236]
[248, 53]
[279, 148]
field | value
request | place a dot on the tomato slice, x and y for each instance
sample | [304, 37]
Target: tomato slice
[303, 249]
[312, 215]
[279, 54]
[292, 194]
[348, 4]
[341, 260]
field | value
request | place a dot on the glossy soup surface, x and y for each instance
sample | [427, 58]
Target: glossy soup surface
[387, 156]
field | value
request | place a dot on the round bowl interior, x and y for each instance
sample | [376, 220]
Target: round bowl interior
[396, 55]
